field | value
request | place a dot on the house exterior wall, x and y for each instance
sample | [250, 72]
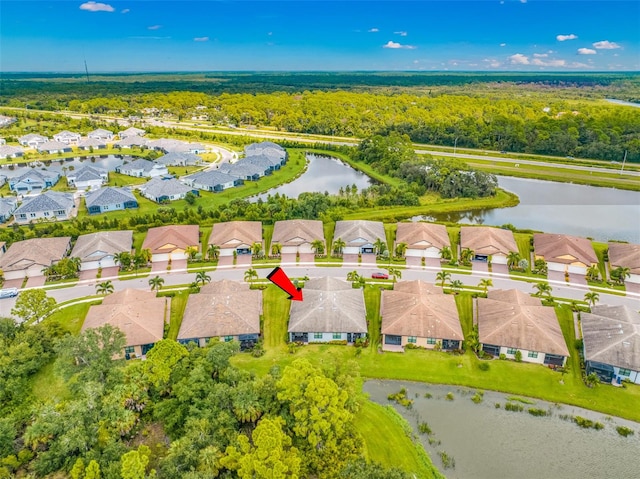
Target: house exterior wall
[89, 185]
[499, 259]
[31, 272]
[634, 376]
[431, 252]
[552, 266]
[634, 278]
[47, 215]
[106, 262]
[577, 269]
[525, 355]
[326, 337]
[428, 343]
[351, 250]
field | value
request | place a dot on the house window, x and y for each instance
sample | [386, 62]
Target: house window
[60, 212]
[129, 350]
[624, 372]
[32, 215]
[23, 216]
[105, 207]
[228, 339]
[532, 354]
[431, 340]
[46, 213]
[337, 335]
[511, 350]
[412, 339]
[317, 335]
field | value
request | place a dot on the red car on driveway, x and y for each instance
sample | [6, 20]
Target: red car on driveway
[380, 275]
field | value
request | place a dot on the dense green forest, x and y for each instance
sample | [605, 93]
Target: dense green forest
[183, 413]
[547, 114]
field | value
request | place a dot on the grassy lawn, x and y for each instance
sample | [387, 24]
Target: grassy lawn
[600, 249]
[178, 304]
[330, 260]
[329, 228]
[372, 295]
[72, 317]
[276, 318]
[201, 266]
[523, 241]
[141, 273]
[454, 238]
[464, 303]
[48, 386]
[267, 234]
[388, 444]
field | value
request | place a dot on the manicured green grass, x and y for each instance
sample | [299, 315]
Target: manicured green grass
[267, 234]
[329, 227]
[202, 266]
[454, 238]
[330, 261]
[276, 317]
[387, 442]
[464, 303]
[141, 273]
[600, 248]
[72, 317]
[48, 386]
[523, 240]
[372, 296]
[178, 305]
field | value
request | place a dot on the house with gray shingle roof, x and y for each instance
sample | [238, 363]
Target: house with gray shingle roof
[246, 169]
[142, 169]
[88, 143]
[132, 131]
[32, 140]
[50, 205]
[212, 180]
[267, 148]
[7, 207]
[162, 190]
[100, 134]
[33, 181]
[52, 147]
[178, 158]
[8, 151]
[130, 141]
[110, 199]
[97, 250]
[67, 137]
[87, 177]
[331, 311]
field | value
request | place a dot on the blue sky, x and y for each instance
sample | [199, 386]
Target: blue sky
[210, 35]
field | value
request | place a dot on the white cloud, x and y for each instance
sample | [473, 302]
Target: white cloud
[96, 7]
[396, 45]
[606, 45]
[401, 33]
[503, 44]
[519, 59]
[201, 39]
[549, 63]
[564, 38]
[373, 30]
[541, 55]
[154, 27]
[523, 1]
[126, 10]
[586, 51]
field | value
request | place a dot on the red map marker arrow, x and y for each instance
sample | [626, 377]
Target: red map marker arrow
[282, 281]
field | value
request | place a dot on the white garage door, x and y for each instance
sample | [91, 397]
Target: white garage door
[556, 266]
[158, 257]
[577, 269]
[227, 251]
[499, 259]
[414, 253]
[305, 248]
[351, 250]
[289, 249]
[432, 253]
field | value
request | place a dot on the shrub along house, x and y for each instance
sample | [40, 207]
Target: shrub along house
[625, 255]
[97, 250]
[488, 244]
[423, 240]
[331, 311]
[420, 314]
[226, 310]
[170, 242]
[569, 254]
[110, 198]
[27, 259]
[140, 315]
[360, 236]
[236, 237]
[297, 236]
[510, 321]
[611, 338]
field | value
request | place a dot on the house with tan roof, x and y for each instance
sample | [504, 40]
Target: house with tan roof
[170, 242]
[27, 259]
[511, 321]
[360, 236]
[423, 240]
[331, 311]
[626, 255]
[611, 338]
[297, 236]
[227, 310]
[140, 315]
[97, 250]
[569, 254]
[419, 313]
[488, 244]
[236, 237]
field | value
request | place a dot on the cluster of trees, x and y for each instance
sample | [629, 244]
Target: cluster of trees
[66, 268]
[183, 413]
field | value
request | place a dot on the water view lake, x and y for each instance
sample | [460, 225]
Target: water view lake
[494, 443]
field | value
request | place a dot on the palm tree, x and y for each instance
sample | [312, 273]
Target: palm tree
[256, 249]
[512, 259]
[106, 287]
[620, 273]
[380, 246]
[443, 276]
[338, 246]
[145, 254]
[544, 289]
[401, 249]
[465, 255]
[276, 249]
[49, 271]
[395, 272]
[485, 284]
[191, 251]
[456, 286]
[593, 273]
[446, 253]
[156, 283]
[317, 246]
[250, 275]
[592, 298]
[202, 277]
[123, 260]
[353, 276]
[73, 266]
[213, 251]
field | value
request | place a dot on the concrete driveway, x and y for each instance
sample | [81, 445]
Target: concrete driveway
[499, 268]
[368, 259]
[288, 258]
[480, 266]
[414, 261]
[555, 276]
[158, 266]
[243, 260]
[36, 281]
[225, 261]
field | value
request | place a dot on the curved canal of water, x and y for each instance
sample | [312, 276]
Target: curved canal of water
[492, 443]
